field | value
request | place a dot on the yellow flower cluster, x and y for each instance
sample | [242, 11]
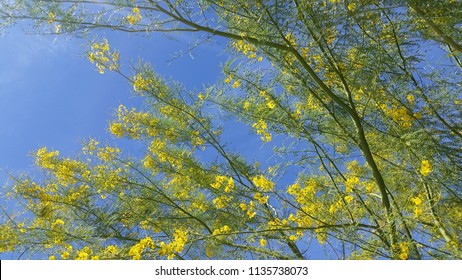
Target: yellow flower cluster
[135, 17]
[263, 183]
[137, 250]
[249, 208]
[278, 223]
[46, 159]
[399, 114]
[90, 147]
[84, 253]
[140, 83]
[133, 123]
[335, 206]
[260, 198]
[63, 169]
[290, 37]
[102, 57]
[305, 194]
[111, 250]
[246, 49]
[108, 153]
[222, 201]
[223, 230]
[351, 6]
[262, 129]
[418, 208]
[350, 183]
[404, 250]
[223, 182]
[425, 168]
[51, 17]
[57, 223]
[263, 242]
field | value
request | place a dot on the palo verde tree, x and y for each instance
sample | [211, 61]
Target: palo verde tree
[342, 93]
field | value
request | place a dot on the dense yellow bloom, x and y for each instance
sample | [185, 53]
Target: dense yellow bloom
[82, 255]
[351, 6]
[65, 255]
[262, 242]
[264, 184]
[46, 159]
[223, 182]
[416, 200]
[107, 153]
[425, 168]
[58, 222]
[180, 239]
[348, 198]
[351, 183]
[262, 129]
[261, 198]
[245, 48]
[404, 250]
[116, 129]
[270, 104]
[137, 249]
[236, 84]
[102, 57]
[223, 230]
[398, 114]
[410, 98]
[222, 201]
[135, 17]
[140, 83]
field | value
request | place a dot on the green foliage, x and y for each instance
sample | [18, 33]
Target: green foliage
[341, 90]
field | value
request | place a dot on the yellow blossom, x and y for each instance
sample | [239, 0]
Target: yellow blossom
[58, 222]
[416, 200]
[351, 6]
[102, 57]
[270, 104]
[262, 242]
[263, 183]
[135, 17]
[404, 250]
[348, 198]
[236, 84]
[260, 198]
[51, 17]
[223, 230]
[410, 98]
[140, 83]
[262, 129]
[65, 255]
[425, 168]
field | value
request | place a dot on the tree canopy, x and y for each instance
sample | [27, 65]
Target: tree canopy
[361, 127]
